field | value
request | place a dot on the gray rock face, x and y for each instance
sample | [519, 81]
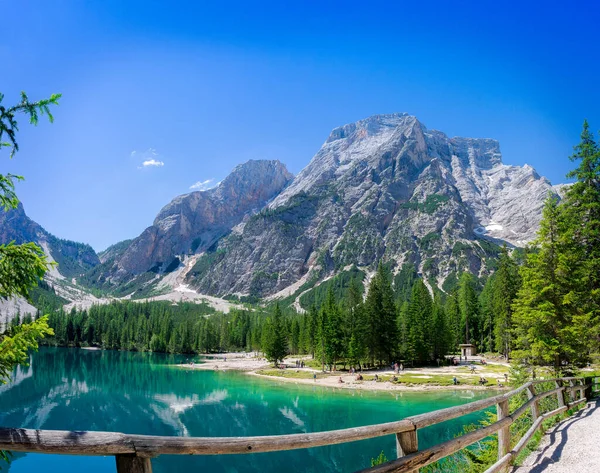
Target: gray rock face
[193, 222]
[73, 258]
[381, 188]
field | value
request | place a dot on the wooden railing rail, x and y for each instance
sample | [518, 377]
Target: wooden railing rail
[133, 452]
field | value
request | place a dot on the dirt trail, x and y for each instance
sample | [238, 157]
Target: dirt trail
[573, 446]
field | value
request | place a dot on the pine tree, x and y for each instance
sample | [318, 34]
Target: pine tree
[543, 322]
[21, 266]
[355, 323]
[486, 304]
[469, 307]
[452, 309]
[506, 285]
[581, 210]
[388, 327]
[380, 317]
[313, 327]
[333, 342]
[419, 325]
[440, 330]
[275, 341]
[295, 337]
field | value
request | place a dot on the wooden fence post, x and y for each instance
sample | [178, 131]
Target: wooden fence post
[582, 389]
[131, 463]
[572, 395]
[407, 442]
[560, 395]
[588, 390]
[535, 409]
[504, 433]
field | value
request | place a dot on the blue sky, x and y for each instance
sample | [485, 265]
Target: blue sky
[203, 86]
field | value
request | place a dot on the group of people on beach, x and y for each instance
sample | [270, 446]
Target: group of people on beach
[299, 364]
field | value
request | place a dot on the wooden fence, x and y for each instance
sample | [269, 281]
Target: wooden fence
[133, 452]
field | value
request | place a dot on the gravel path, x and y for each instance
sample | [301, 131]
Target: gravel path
[573, 446]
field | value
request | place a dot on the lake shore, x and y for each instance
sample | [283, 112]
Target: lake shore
[417, 379]
[349, 382]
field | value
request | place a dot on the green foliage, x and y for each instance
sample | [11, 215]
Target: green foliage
[262, 282]
[15, 344]
[21, 267]
[490, 248]
[429, 265]
[340, 284]
[8, 121]
[430, 206]
[380, 460]
[450, 283]
[544, 323]
[506, 285]
[557, 311]
[404, 281]
[275, 342]
[330, 336]
[139, 287]
[8, 198]
[469, 308]
[116, 249]
[205, 263]
[44, 297]
[419, 325]
[427, 243]
[380, 310]
[71, 256]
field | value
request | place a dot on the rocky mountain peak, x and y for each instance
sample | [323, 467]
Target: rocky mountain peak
[481, 153]
[73, 258]
[386, 188]
[192, 223]
[256, 178]
[371, 126]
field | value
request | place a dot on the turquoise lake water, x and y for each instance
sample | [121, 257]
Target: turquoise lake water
[71, 389]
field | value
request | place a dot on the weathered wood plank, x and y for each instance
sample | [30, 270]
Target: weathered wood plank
[501, 464]
[112, 443]
[435, 417]
[560, 396]
[65, 442]
[406, 442]
[574, 403]
[535, 410]
[147, 445]
[503, 433]
[437, 452]
[527, 437]
[129, 463]
[571, 391]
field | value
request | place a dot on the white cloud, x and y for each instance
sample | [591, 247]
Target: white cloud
[152, 162]
[149, 158]
[202, 185]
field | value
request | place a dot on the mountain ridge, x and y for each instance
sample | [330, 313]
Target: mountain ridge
[384, 188]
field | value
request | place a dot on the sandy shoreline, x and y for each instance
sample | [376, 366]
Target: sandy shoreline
[249, 364]
[232, 361]
[349, 382]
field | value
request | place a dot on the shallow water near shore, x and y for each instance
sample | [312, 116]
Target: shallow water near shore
[143, 393]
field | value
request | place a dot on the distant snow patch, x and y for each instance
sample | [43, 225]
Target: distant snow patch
[490, 227]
